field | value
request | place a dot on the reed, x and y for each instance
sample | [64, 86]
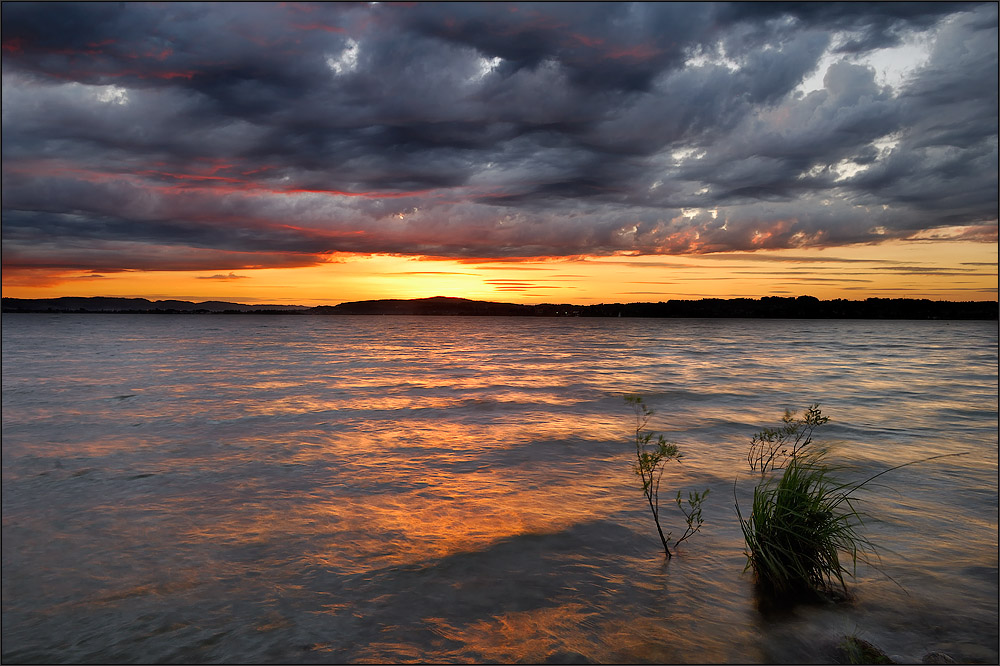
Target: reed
[804, 531]
[803, 534]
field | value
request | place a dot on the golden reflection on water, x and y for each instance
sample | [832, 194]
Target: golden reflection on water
[569, 632]
[300, 404]
[444, 514]
[530, 636]
[365, 508]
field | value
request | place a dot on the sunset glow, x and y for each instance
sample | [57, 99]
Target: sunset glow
[905, 270]
[321, 153]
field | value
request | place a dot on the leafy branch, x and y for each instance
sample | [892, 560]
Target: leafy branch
[771, 448]
[652, 454]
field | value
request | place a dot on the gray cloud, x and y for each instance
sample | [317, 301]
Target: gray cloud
[201, 133]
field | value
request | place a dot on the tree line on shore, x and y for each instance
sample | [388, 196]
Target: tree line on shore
[775, 307]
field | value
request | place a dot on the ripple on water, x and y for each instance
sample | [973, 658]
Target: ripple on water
[336, 489]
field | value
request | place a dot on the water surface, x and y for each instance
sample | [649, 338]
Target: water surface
[388, 489]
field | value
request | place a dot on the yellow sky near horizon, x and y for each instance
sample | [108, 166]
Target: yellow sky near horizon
[952, 270]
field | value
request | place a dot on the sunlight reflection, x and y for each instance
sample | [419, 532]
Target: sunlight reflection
[533, 636]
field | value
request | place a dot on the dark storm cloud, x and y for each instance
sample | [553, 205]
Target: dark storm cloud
[202, 134]
[880, 25]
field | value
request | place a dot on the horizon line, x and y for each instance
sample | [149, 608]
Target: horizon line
[474, 300]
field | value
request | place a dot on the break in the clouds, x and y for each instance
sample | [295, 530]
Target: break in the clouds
[227, 136]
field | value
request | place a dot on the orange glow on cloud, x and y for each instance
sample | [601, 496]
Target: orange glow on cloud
[638, 52]
[961, 271]
[14, 45]
[954, 263]
[318, 26]
[588, 41]
[46, 167]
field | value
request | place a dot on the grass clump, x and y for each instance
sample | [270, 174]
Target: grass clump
[803, 534]
[804, 531]
[800, 525]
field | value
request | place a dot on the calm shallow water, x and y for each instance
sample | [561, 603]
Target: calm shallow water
[387, 489]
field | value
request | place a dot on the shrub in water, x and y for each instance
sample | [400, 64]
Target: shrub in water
[773, 446]
[651, 457]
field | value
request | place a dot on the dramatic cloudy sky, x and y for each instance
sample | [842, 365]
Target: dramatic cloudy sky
[568, 152]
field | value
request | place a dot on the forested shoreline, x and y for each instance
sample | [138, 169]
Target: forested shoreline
[768, 307]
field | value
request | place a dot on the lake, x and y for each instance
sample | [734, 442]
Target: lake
[310, 489]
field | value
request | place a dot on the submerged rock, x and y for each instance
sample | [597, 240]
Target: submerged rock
[854, 650]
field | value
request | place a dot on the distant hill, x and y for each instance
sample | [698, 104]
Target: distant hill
[802, 307]
[135, 305]
[437, 305]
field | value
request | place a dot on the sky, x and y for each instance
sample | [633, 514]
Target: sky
[315, 153]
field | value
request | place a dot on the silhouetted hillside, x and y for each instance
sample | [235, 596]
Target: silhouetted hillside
[771, 307]
[437, 305]
[137, 305]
